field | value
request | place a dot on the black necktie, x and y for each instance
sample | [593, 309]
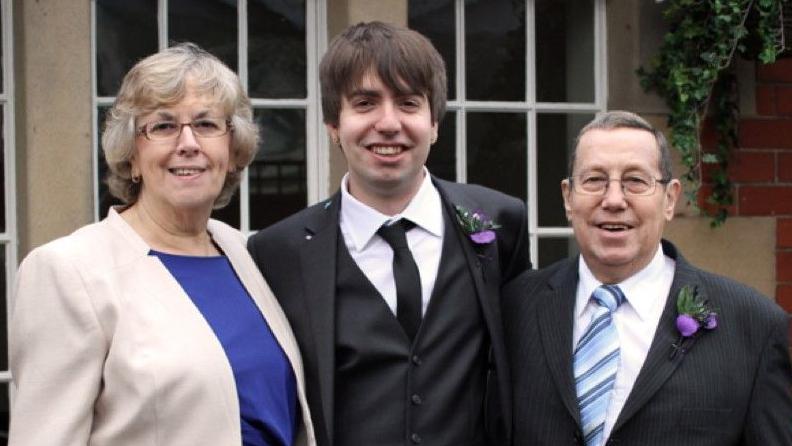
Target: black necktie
[405, 274]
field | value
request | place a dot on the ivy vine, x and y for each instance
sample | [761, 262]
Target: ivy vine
[693, 74]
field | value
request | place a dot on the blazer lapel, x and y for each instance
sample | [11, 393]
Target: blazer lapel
[554, 318]
[318, 258]
[659, 366]
[484, 262]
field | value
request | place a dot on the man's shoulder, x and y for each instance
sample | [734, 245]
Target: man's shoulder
[294, 224]
[533, 281]
[476, 192]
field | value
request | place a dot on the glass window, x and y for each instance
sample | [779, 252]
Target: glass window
[211, 24]
[496, 152]
[276, 177]
[556, 137]
[435, 19]
[269, 44]
[442, 156]
[526, 76]
[565, 51]
[495, 47]
[276, 49]
[105, 200]
[552, 250]
[125, 33]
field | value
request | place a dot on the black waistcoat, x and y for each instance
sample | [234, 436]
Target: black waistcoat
[390, 392]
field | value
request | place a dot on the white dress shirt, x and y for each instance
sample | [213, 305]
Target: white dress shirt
[359, 224]
[636, 321]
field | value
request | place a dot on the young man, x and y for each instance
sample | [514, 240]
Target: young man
[600, 349]
[394, 301]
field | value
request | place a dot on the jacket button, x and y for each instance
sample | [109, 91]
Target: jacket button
[415, 438]
[416, 360]
[416, 399]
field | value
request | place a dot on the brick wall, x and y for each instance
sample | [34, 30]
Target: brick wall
[762, 166]
[767, 142]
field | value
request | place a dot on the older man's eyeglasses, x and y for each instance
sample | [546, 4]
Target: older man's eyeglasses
[631, 184]
[171, 130]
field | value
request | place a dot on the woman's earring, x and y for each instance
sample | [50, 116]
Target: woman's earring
[136, 179]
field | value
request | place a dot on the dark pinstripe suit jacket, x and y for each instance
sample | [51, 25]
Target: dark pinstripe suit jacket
[732, 386]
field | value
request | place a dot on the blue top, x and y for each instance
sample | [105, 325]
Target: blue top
[264, 378]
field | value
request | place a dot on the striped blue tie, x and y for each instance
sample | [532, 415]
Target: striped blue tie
[596, 360]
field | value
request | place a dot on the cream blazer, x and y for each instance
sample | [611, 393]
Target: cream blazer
[106, 349]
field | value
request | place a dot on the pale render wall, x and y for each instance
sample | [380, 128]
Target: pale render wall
[53, 112]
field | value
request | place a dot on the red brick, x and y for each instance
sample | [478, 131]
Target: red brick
[765, 100]
[784, 299]
[784, 233]
[709, 209]
[766, 133]
[709, 138]
[765, 200]
[785, 167]
[784, 266]
[784, 100]
[780, 71]
[747, 167]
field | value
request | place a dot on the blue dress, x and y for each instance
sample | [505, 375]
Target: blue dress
[264, 378]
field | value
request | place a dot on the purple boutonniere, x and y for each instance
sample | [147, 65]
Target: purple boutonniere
[694, 317]
[477, 225]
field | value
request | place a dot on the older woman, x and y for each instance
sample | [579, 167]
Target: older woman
[153, 326]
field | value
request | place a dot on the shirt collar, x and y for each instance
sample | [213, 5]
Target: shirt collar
[637, 288]
[424, 209]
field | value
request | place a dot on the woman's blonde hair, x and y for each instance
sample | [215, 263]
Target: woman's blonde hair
[161, 80]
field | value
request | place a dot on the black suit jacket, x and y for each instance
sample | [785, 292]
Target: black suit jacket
[731, 387]
[298, 258]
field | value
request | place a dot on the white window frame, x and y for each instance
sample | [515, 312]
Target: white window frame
[9, 237]
[316, 156]
[530, 107]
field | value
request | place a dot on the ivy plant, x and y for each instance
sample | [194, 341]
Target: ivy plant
[693, 73]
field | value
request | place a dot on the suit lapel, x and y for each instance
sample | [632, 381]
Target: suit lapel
[482, 261]
[555, 316]
[658, 366]
[318, 258]
[483, 264]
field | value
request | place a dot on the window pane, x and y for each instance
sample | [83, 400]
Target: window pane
[495, 50]
[230, 213]
[555, 139]
[277, 175]
[276, 49]
[4, 413]
[565, 50]
[552, 250]
[435, 20]
[211, 24]
[105, 200]
[442, 156]
[496, 152]
[125, 33]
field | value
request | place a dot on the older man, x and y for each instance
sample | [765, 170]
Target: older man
[628, 343]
